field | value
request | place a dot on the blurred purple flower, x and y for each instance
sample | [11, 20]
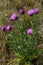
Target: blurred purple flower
[30, 12]
[3, 28]
[9, 27]
[30, 31]
[13, 17]
[36, 11]
[21, 11]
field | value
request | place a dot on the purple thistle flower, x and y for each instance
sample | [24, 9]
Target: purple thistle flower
[13, 17]
[9, 27]
[30, 31]
[3, 28]
[36, 11]
[21, 11]
[30, 12]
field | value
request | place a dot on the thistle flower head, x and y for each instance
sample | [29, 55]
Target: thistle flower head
[13, 17]
[30, 12]
[36, 11]
[21, 11]
[9, 27]
[3, 28]
[30, 31]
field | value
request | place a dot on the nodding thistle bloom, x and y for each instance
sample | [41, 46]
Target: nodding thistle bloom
[3, 28]
[30, 31]
[21, 11]
[36, 11]
[30, 12]
[9, 27]
[13, 17]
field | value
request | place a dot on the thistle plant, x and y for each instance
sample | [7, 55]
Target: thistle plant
[23, 38]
